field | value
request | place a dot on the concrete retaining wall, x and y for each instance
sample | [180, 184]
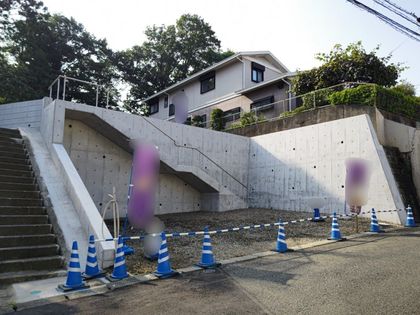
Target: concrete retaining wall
[103, 165]
[289, 167]
[22, 114]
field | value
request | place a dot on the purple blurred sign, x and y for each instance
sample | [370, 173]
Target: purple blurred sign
[180, 102]
[144, 182]
[357, 183]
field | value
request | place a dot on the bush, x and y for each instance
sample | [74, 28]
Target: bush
[216, 119]
[247, 119]
[361, 95]
[297, 110]
[320, 98]
[388, 99]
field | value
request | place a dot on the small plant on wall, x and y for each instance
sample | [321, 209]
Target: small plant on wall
[216, 119]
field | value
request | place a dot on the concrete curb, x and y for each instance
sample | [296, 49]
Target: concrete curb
[137, 279]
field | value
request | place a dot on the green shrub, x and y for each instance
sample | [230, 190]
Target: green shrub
[388, 99]
[320, 98]
[297, 110]
[216, 119]
[361, 95]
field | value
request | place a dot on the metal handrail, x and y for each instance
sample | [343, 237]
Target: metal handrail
[66, 78]
[193, 148]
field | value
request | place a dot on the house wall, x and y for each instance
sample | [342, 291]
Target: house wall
[103, 165]
[269, 73]
[228, 80]
[278, 90]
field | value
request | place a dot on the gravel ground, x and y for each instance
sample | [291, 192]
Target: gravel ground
[185, 251]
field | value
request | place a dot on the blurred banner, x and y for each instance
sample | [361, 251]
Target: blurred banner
[180, 101]
[358, 173]
[145, 176]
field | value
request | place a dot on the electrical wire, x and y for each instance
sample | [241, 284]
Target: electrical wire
[390, 8]
[395, 25]
[403, 10]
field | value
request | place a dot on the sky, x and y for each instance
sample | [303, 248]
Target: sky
[293, 30]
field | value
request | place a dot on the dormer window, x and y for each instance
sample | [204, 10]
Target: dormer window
[207, 82]
[257, 72]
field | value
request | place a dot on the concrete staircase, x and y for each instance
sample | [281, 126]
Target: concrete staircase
[28, 246]
[401, 168]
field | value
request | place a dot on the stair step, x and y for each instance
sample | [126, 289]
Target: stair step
[14, 164]
[16, 173]
[19, 187]
[20, 276]
[27, 240]
[13, 155]
[15, 133]
[22, 252]
[12, 148]
[18, 193]
[37, 263]
[21, 202]
[21, 210]
[16, 179]
[11, 141]
[25, 219]
[24, 229]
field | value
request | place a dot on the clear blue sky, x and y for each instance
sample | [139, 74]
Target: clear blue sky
[294, 30]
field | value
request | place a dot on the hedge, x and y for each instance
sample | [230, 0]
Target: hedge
[384, 98]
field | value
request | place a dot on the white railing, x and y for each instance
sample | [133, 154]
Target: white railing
[61, 89]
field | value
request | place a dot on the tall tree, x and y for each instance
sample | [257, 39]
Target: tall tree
[169, 54]
[349, 64]
[37, 47]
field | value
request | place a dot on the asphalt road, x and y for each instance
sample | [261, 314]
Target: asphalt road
[378, 274]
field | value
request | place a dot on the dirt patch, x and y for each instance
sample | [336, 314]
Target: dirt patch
[185, 251]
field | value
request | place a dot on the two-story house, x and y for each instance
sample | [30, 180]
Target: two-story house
[246, 81]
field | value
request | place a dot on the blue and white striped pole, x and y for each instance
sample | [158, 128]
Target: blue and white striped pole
[74, 276]
[163, 269]
[374, 225]
[207, 258]
[410, 218]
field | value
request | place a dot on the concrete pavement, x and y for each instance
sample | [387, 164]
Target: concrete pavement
[378, 274]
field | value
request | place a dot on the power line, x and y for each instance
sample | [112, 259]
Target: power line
[392, 9]
[397, 26]
[403, 10]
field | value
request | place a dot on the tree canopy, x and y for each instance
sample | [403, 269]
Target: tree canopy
[37, 46]
[169, 54]
[349, 64]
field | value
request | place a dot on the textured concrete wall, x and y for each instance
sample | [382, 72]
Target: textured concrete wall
[87, 215]
[289, 167]
[21, 114]
[218, 159]
[103, 165]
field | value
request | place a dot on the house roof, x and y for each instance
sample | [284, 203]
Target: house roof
[221, 64]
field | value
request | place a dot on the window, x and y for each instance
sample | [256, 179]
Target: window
[171, 109]
[153, 108]
[265, 103]
[165, 101]
[232, 114]
[257, 72]
[207, 82]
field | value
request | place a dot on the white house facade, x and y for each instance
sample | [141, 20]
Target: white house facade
[243, 82]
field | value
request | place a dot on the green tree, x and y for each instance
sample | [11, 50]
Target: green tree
[350, 64]
[37, 46]
[405, 88]
[169, 54]
[216, 119]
